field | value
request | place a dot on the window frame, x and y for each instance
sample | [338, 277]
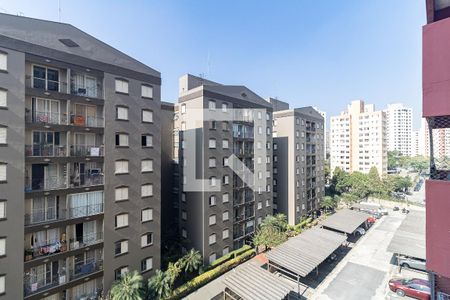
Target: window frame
[146, 110]
[116, 80]
[142, 91]
[116, 223]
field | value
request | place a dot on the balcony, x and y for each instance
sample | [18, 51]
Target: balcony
[43, 282]
[86, 121]
[46, 84]
[38, 216]
[45, 183]
[45, 117]
[45, 150]
[85, 85]
[91, 178]
[45, 248]
[84, 150]
[89, 267]
[85, 210]
[85, 240]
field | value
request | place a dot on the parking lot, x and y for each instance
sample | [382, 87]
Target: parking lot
[365, 271]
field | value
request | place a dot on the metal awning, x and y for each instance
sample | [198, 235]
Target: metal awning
[251, 282]
[303, 253]
[409, 239]
[345, 220]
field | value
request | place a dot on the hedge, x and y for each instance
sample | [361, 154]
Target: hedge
[302, 224]
[210, 275]
[228, 256]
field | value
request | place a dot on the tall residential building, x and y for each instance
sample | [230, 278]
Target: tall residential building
[325, 130]
[441, 140]
[436, 110]
[298, 143]
[399, 128]
[219, 209]
[358, 139]
[79, 162]
[415, 143]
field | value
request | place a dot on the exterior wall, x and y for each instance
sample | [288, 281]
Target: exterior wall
[134, 154]
[13, 190]
[399, 128]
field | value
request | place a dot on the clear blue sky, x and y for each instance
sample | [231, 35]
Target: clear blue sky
[322, 53]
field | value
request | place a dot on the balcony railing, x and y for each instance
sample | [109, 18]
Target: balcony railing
[86, 121]
[45, 117]
[83, 150]
[87, 268]
[85, 240]
[50, 214]
[46, 84]
[85, 210]
[45, 248]
[43, 184]
[85, 91]
[45, 150]
[86, 179]
[44, 282]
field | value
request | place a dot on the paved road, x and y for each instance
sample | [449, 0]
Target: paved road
[365, 271]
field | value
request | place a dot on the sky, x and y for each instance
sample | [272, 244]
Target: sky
[305, 52]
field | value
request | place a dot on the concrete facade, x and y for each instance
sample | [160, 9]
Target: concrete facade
[399, 128]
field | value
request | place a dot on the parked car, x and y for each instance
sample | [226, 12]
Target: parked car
[416, 288]
[383, 211]
[412, 263]
[396, 208]
[371, 220]
[360, 231]
[405, 211]
[377, 215]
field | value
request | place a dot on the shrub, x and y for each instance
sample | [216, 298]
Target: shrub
[210, 275]
[228, 256]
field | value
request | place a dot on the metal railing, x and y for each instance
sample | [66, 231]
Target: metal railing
[45, 281]
[85, 210]
[87, 179]
[45, 248]
[86, 121]
[85, 91]
[84, 150]
[45, 117]
[47, 183]
[45, 150]
[85, 240]
[84, 269]
[43, 215]
[46, 84]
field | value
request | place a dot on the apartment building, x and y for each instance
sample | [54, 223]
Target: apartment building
[298, 157]
[324, 116]
[224, 148]
[436, 111]
[358, 139]
[399, 128]
[415, 143]
[79, 162]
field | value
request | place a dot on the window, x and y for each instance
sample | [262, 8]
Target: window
[147, 165]
[212, 144]
[212, 125]
[3, 133]
[146, 264]
[45, 78]
[212, 220]
[118, 273]
[147, 140]
[121, 86]
[212, 257]
[225, 162]
[147, 91]
[259, 115]
[147, 215]
[184, 233]
[259, 130]
[212, 162]
[225, 250]
[122, 139]
[121, 193]
[275, 158]
[3, 96]
[224, 107]
[225, 233]
[3, 66]
[225, 144]
[275, 146]
[225, 125]
[122, 113]
[121, 247]
[267, 203]
[146, 239]
[212, 104]
[2, 172]
[225, 198]
[2, 284]
[212, 181]
[147, 116]
[147, 190]
[121, 167]
[2, 209]
[184, 215]
[212, 239]
[259, 205]
[183, 108]
[225, 216]
[121, 220]
[226, 179]
[212, 200]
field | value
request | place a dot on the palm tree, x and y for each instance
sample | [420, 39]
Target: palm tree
[328, 203]
[172, 272]
[159, 285]
[191, 261]
[129, 287]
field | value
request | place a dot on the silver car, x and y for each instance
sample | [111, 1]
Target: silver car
[412, 263]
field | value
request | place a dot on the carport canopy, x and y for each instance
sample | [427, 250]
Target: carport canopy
[305, 252]
[409, 239]
[345, 220]
[251, 282]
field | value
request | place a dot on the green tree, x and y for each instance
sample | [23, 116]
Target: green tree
[191, 261]
[129, 287]
[269, 236]
[172, 272]
[394, 159]
[375, 183]
[401, 184]
[359, 185]
[340, 181]
[328, 203]
[419, 163]
[279, 221]
[159, 285]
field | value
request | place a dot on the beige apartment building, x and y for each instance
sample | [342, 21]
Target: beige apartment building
[358, 139]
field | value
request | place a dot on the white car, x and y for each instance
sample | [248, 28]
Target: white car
[360, 231]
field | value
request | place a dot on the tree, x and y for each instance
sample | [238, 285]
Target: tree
[159, 285]
[129, 287]
[394, 159]
[328, 203]
[278, 221]
[269, 236]
[191, 261]
[340, 181]
[172, 272]
[401, 184]
[359, 185]
[375, 183]
[419, 163]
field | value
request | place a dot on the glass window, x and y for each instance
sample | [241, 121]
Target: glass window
[147, 91]
[147, 215]
[118, 273]
[121, 193]
[146, 239]
[212, 239]
[3, 65]
[212, 200]
[147, 165]
[225, 144]
[147, 140]
[212, 257]
[211, 104]
[121, 220]
[147, 116]
[3, 133]
[2, 284]
[225, 233]
[121, 166]
[225, 250]
[225, 198]
[3, 98]
[212, 162]
[212, 143]
[122, 86]
[122, 139]
[2, 246]
[225, 216]
[121, 247]
[3, 172]
[212, 219]
[147, 190]
[122, 113]
[146, 264]
[212, 181]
